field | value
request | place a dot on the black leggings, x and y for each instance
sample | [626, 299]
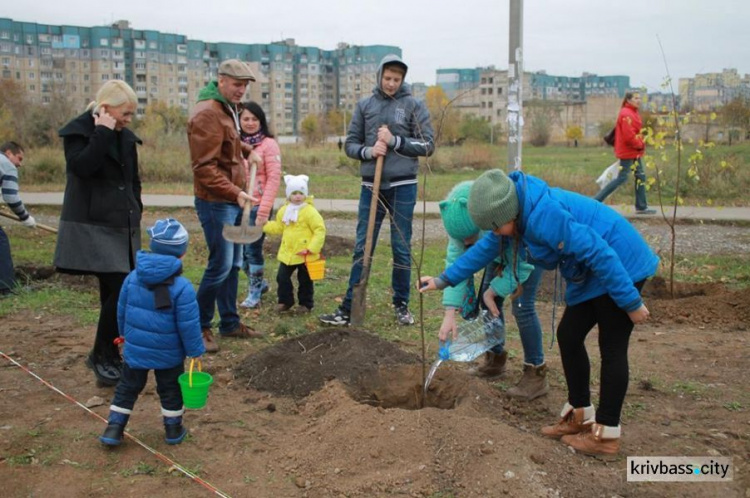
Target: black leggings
[106, 330]
[615, 327]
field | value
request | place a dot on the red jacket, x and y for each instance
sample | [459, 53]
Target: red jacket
[628, 139]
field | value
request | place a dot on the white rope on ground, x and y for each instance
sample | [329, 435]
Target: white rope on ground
[157, 454]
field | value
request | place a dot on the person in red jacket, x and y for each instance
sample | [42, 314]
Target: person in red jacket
[629, 148]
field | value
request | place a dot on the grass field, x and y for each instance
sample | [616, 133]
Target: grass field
[722, 175]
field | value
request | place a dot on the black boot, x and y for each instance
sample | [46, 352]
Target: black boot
[107, 373]
[113, 434]
[174, 430]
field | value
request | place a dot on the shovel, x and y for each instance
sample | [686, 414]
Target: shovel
[359, 293]
[244, 233]
[38, 225]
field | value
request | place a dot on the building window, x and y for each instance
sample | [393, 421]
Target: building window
[104, 42]
[105, 77]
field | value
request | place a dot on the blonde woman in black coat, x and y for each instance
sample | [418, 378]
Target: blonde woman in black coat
[99, 231]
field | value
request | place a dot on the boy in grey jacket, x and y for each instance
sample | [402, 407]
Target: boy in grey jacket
[393, 124]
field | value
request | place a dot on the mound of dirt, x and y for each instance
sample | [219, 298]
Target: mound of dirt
[698, 304]
[301, 365]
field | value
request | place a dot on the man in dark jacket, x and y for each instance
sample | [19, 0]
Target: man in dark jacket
[218, 183]
[393, 124]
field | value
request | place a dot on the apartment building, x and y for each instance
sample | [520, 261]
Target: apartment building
[710, 91]
[73, 62]
[583, 100]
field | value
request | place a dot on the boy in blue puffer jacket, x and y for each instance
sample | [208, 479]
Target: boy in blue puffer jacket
[158, 318]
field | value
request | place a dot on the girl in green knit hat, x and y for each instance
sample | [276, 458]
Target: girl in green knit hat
[499, 281]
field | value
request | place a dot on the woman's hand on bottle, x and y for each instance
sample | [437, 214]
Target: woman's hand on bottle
[448, 328]
[427, 284]
[489, 301]
[640, 315]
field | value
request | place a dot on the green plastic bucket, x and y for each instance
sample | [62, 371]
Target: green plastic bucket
[194, 386]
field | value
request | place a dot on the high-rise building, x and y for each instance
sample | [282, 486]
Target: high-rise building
[710, 91]
[293, 81]
[580, 100]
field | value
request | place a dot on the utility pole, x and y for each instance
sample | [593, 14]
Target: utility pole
[515, 85]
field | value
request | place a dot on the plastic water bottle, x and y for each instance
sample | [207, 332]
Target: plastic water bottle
[475, 337]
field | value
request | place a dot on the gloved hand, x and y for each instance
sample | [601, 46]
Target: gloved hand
[29, 222]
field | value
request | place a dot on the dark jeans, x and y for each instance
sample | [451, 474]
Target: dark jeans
[626, 166]
[133, 380]
[252, 254]
[306, 291]
[399, 203]
[615, 327]
[7, 272]
[106, 330]
[218, 287]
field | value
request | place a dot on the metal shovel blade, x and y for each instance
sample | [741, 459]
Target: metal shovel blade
[243, 234]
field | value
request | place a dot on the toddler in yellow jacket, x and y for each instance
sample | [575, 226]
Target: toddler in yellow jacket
[303, 233]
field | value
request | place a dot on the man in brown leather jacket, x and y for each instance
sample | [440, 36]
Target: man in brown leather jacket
[218, 183]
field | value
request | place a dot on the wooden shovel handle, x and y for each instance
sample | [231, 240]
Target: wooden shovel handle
[371, 220]
[38, 225]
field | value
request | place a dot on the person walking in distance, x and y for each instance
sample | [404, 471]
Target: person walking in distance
[219, 181]
[393, 124]
[629, 149]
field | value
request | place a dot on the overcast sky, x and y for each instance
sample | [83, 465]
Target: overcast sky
[562, 37]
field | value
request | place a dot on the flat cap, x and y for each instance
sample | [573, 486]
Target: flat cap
[236, 69]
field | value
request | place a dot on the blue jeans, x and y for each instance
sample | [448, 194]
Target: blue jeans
[524, 311]
[399, 201]
[133, 380]
[252, 254]
[218, 287]
[626, 165]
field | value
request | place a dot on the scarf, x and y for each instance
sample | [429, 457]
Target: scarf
[254, 138]
[292, 213]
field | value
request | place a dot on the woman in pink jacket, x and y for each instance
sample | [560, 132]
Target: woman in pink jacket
[255, 132]
[629, 149]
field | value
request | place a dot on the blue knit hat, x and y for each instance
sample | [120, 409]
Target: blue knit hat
[454, 211]
[168, 237]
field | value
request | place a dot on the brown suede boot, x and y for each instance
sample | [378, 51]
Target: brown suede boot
[532, 385]
[572, 421]
[494, 365]
[209, 342]
[600, 440]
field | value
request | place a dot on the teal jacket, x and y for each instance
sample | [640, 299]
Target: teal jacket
[503, 285]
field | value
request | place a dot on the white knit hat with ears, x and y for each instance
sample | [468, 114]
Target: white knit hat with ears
[296, 184]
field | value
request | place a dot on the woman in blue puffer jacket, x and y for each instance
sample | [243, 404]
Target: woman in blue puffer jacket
[604, 262]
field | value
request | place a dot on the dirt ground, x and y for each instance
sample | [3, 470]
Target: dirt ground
[340, 412]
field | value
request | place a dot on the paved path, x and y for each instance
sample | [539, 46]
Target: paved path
[350, 206]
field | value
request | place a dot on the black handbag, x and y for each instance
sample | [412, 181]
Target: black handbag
[610, 138]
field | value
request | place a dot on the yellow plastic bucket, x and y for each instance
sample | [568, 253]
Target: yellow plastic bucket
[316, 269]
[194, 387]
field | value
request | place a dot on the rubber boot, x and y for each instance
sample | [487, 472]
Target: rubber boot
[114, 432]
[600, 440]
[494, 365]
[254, 287]
[572, 421]
[532, 385]
[173, 429]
